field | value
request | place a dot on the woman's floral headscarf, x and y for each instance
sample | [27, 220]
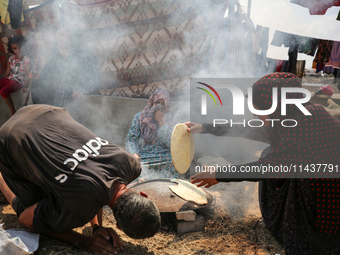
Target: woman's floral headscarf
[148, 124]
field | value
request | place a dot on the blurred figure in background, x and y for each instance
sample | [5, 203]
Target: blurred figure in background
[17, 72]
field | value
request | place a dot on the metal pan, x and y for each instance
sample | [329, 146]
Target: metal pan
[167, 201]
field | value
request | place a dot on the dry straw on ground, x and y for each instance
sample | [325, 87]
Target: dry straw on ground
[223, 235]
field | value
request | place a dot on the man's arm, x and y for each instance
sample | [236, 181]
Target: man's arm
[101, 242]
[6, 191]
[98, 219]
[95, 243]
[107, 233]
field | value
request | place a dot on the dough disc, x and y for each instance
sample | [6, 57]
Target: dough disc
[182, 148]
[189, 192]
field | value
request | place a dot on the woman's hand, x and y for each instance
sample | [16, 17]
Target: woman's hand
[194, 128]
[136, 155]
[160, 117]
[204, 179]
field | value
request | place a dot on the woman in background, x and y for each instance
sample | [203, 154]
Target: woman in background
[16, 73]
[149, 137]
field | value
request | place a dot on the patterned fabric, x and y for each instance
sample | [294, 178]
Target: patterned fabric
[148, 123]
[18, 69]
[289, 209]
[155, 158]
[317, 7]
[141, 44]
[17, 76]
[303, 214]
[8, 86]
[46, 14]
[322, 55]
[334, 58]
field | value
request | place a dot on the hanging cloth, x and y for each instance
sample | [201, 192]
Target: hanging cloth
[334, 58]
[317, 7]
[302, 44]
[4, 12]
[15, 10]
[322, 55]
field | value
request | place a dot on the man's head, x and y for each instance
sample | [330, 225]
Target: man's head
[136, 215]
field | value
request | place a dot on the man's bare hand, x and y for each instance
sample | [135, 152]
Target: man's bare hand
[99, 245]
[194, 128]
[205, 179]
[104, 241]
[110, 235]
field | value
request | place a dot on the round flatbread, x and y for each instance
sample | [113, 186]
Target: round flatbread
[182, 148]
[189, 192]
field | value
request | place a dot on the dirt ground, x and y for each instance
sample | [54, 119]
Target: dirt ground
[233, 226]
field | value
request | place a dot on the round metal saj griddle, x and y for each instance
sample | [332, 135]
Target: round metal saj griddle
[158, 191]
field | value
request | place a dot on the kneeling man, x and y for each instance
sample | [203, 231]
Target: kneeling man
[57, 175]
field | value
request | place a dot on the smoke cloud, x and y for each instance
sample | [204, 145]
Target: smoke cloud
[209, 45]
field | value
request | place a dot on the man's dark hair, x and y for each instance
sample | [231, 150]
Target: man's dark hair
[15, 39]
[136, 215]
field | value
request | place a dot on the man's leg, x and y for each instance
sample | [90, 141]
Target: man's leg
[28, 192]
